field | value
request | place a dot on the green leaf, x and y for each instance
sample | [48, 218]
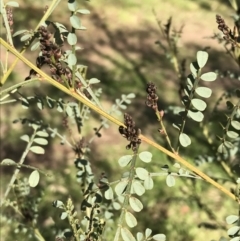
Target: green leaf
[12, 4]
[72, 59]
[20, 32]
[34, 178]
[196, 115]
[148, 183]
[109, 194]
[35, 46]
[83, 11]
[184, 140]
[121, 187]
[124, 160]
[139, 236]
[72, 38]
[233, 230]
[170, 180]
[141, 173]
[210, 76]
[193, 71]
[145, 156]
[232, 134]
[148, 232]
[116, 205]
[228, 144]
[199, 104]
[138, 188]
[37, 149]
[235, 124]
[58, 204]
[63, 215]
[40, 141]
[42, 134]
[72, 6]
[204, 92]
[231, 219]
[25, 138]
[8, 161]
[75, 22]
[25, 103]
[159, 237]
[135, 204]
[202, 58]
[94, 81]
[131, 96]
[131, 221]
[222, 149]
[127, 235]
[26, 37]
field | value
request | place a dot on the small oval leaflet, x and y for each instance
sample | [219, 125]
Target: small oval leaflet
[37, 149]
[75, 22]
[130, 219]
[72, 59]
[141, 173]
[127, 235]
[233, 230]
[83, 11]
[145, 156]
[204, 92]
[116, 205]
[124, 160]
[232, 219]
[94, 81]
[25, 138]
[12, 4]
[109, 194]
[26, 37]
[193, 71]
[199, 104]
[232, 134]
[58, 204]
[120, 187]
[139, 236]
[72, 6]
[222, 149]
[34, 178]
[72, 38]
[8, 161]
[202, 58]
[42, 133]
[148, 183]
[196, 116]
[35, 46]
[135, 204]
[159, 237]
[170, 180]
[148, 232]
[210, 76]
[20, 32]
[138, 188]
[235, 124]
[40, 141]
[184, 140]
[63, 215]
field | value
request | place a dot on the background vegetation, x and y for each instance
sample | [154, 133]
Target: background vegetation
[119, 48]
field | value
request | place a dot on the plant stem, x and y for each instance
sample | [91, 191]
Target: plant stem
[22, 159]
[127, 195]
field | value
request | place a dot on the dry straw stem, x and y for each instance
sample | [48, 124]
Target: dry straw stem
[87, 102]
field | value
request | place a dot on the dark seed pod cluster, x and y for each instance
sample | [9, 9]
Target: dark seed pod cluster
[152, 97]
[131, 133]
[50, 55]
